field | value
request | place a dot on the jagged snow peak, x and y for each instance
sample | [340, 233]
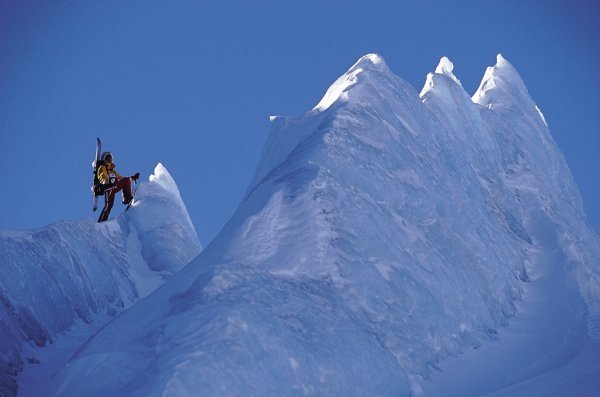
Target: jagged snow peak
[444, 68]
[447, 99]
[500, 84]
[164, 179]
[338, 91]
[369, 77]
[163, 225]
[503, 88]
[70, 272]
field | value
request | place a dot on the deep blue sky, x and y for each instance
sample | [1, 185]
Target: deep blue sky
[191, 84]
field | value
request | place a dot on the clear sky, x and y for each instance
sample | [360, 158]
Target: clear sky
[191, 84]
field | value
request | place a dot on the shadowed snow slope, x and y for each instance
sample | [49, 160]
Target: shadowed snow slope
[383, 232]
[69, 272]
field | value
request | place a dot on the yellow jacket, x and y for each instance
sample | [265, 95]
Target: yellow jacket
[107, 171]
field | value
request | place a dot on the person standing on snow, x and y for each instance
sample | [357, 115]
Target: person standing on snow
[113, 182]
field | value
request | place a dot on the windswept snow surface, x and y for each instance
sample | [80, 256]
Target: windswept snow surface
[383, 235]
[71, 274]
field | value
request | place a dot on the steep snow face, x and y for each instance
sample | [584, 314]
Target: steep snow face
[72, 271]
[382, 232]
[535, 169]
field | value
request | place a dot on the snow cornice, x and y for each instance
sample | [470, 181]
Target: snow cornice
[446, 67]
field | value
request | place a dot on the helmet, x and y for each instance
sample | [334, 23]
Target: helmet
[107, 156]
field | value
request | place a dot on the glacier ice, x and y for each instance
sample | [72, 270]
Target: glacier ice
[383, 233]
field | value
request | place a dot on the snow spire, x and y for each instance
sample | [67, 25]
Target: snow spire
[338, 90]
[165, 180]
[370, 61]
[446, 67]
[503, 87]
[500, 86]
[163, 224]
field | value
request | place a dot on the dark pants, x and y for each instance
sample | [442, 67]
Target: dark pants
[109, 197]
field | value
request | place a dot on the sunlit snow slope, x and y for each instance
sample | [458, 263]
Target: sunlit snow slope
[384, 231]
[68, 272]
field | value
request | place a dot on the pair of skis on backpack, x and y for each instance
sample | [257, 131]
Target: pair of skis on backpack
[97, 188]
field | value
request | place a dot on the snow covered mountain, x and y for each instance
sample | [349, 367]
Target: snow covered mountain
[384, 233]
[70, 272]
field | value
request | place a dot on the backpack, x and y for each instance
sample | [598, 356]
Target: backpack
[98, 187]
